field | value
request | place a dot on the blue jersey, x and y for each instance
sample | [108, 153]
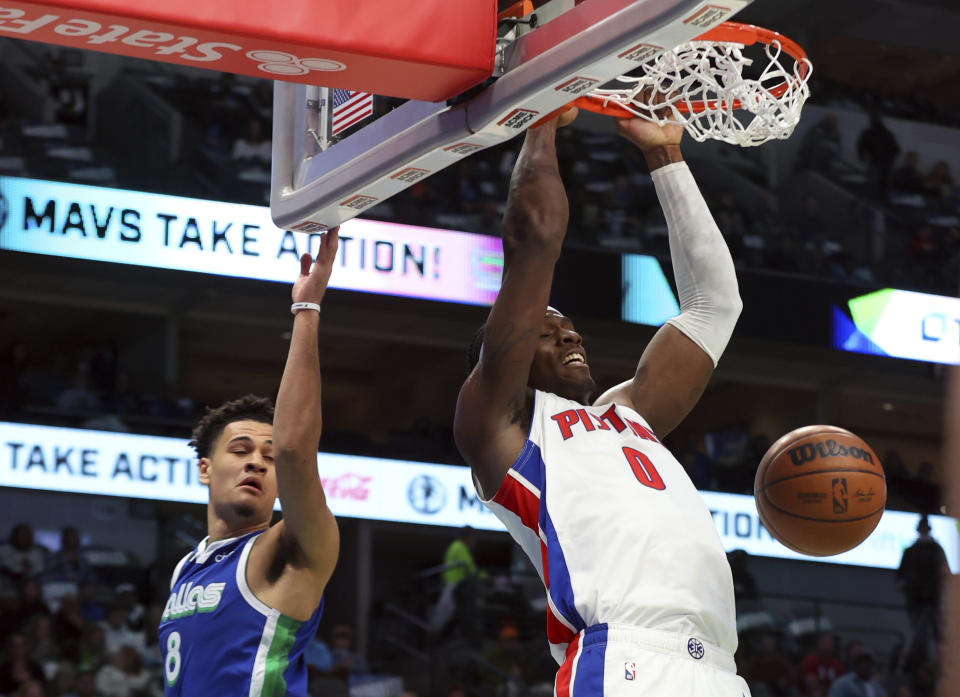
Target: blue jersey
[217, 638]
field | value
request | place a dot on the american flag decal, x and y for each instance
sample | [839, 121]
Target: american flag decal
[349, 108]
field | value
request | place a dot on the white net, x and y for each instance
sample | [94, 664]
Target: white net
[701, 86]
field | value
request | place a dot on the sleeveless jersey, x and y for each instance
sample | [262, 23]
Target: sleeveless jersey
[615, 527]
[217, 638]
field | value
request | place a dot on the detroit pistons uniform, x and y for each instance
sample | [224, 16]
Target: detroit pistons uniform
[639, 591]
[217, 638]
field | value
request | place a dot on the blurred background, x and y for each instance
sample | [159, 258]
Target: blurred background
[862, 198]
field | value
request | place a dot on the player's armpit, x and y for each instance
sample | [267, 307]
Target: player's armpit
[672, 374]
[489, 440]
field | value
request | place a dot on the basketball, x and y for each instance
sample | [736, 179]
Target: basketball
[820, 490]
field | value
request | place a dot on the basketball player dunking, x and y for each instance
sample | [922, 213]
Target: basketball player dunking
[244, 604]
[639, 591]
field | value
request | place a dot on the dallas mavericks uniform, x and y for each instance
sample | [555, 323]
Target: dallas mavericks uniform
[639, 591]
[217, 638]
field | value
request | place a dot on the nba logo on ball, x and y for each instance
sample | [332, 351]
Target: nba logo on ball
[839, 495]
[630, 670]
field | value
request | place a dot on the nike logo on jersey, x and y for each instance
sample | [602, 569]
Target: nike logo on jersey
[606, 421]
[191, 599]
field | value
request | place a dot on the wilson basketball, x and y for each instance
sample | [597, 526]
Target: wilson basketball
[820, 490]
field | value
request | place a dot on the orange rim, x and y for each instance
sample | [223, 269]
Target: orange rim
[725, 32]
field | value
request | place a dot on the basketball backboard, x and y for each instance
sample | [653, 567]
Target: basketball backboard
[540, 66]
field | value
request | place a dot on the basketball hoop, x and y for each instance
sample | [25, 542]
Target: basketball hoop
[701, 86]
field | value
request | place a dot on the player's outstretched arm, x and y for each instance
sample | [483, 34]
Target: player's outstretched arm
[491, 402]
[678, 362]
[309, 528]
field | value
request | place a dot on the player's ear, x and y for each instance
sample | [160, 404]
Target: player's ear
[203, 466]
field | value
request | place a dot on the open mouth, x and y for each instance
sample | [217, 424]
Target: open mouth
[575, 358]
[253, 483]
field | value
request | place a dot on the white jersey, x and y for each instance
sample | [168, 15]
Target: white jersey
[615, 528]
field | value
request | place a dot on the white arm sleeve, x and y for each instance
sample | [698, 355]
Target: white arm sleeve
[706, 280]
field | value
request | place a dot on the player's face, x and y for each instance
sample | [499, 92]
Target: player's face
[240, 473]
[560, 363]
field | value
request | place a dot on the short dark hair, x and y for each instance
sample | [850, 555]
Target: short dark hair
[473, 351]
[247, 408]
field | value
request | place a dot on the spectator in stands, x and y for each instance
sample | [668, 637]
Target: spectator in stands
[923, 568]
[727, 204]
[30, 688]
[764, 219]
[318, 657]
[907, 177]
[124, 675]
[134, 610]
[344, 657]
[152, 656]
[117, 633]
[489, 221]
[68, 627]
[786, 254]
[103, 370]
[93, 648]
[17, 666]
[744, 584]
[821, 147]
[810, 686]
[253, 147]
[9, 606]
[823, 663]
[939, 182]
[19, 556]
[261, 99]
[877, 148]
[84, 685]
[698, 465]
[31, 603]
[69, 564]
[860, 681]
[91, 609]
[510, 658]
[81, 396]
[63, 680]
[923, 682]
[770, 668]
[460, 579]
[68, 92]
[43, 649]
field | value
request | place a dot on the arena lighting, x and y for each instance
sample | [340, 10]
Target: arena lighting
[902, 324]
[230, 239]
[103, 463]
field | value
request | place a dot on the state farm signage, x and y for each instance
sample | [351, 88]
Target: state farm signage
[293, 40]
[149, 42]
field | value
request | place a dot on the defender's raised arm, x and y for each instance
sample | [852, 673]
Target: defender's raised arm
[307, 522]
[678, 362]
[494, 398]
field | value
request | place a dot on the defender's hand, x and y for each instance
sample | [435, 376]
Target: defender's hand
[312, 284]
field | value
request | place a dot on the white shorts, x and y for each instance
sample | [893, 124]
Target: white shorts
[617, 661]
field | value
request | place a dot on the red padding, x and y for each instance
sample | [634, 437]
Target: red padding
[420, 49]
